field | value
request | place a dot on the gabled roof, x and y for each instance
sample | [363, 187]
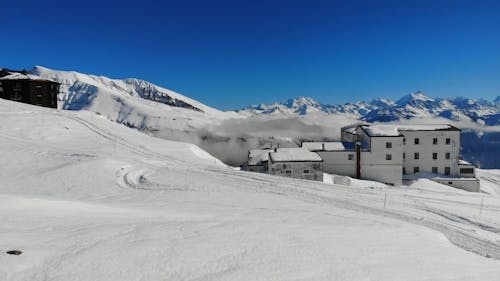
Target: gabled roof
[327, 146]
[297, 154]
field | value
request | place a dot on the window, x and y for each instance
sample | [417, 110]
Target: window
[404, 171]
[350, 156]
[388, 145]
[447, 155]
[448, 140]
[434, 155]
[434, 170]
[417, 156]
[466, 170]
[417, 140]
[404, 141]
[404, 155]
[446, 170]
[434, 141]
[284, 166]
[416, 170]
[450, 182]
[388, 157]
[16, 96]
[306, 171]
[17, 86]
[288, 172]
[1, 89]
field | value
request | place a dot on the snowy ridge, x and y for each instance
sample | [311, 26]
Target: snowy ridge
[133, 102]
[414, 105]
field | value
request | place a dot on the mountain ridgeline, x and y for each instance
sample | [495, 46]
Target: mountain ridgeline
[414, 105]
[229, 135]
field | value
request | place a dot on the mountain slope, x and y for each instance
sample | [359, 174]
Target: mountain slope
[133, 102]
[150, 209]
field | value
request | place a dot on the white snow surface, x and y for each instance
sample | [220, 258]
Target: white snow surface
[131, 101]
[89, 199]
[294, 154]
[22, 76]
[394, 130]
[329, 146]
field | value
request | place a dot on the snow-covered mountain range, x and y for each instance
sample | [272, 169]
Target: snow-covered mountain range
[229, 135]
[414, 105]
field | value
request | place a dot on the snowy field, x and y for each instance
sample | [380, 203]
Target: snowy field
[85, 198]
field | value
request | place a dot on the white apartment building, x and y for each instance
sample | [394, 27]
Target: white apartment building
[389, 154]
[393, 153]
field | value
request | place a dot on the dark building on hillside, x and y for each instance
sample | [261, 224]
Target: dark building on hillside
[28, 88]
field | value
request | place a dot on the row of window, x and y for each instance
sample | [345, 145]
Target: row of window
[416, 155]
[289, 172]
[435, 170]
[417, 141]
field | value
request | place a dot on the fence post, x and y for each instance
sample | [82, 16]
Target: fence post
[385, 199]
[481, 208]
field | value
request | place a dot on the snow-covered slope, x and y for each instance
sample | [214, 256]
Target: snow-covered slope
[88, 199]
[133, 102]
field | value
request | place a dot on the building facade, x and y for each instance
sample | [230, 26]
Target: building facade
[394, 153]
[389, 154]
[297, 163]
[27, 88]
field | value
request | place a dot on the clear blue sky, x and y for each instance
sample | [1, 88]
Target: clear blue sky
[229, 54]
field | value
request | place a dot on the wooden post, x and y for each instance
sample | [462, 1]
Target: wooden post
[385, 199]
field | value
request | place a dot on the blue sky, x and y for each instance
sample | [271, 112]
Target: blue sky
[229, 54]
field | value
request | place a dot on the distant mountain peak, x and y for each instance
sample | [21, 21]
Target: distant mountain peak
[418, 96]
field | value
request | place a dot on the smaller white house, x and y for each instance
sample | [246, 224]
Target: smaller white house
[296, 163]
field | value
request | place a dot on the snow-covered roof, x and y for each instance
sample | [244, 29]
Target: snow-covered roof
[463, 162]
[395, 130]
[352, 128]
[257, 156]
[382, 130]
[427, 127]
[23, 76]
[297, 154]
[329, 146]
